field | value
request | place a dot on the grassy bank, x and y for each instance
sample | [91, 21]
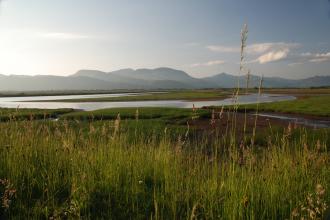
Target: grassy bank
[122, 170]
[312, 105]
[161, 113]
[295, 91]
[7, 114]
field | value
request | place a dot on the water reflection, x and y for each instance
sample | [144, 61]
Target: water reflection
[299, 120]
[14, 102]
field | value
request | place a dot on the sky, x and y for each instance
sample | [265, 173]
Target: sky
[286, 38]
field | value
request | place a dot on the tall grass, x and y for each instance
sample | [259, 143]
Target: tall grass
[87, 170]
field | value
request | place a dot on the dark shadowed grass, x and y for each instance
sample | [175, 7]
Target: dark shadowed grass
[142, 113]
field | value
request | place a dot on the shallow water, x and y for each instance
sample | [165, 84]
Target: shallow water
[62, 97]
[21, 102]
[316, 123]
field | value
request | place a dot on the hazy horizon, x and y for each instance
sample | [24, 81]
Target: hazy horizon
[286, 38]
[198, 76]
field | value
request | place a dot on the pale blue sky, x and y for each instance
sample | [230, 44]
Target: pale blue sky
[289, 38]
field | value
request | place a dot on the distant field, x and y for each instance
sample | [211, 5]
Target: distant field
[173, 114]
[310, 102]
[227, 90]
[208, 94]
[312, 105]
[298, 92]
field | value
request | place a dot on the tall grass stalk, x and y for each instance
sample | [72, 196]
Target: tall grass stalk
[244, 33]
[257, 112]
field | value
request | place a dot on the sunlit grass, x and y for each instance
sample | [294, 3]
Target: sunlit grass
[7, 114]
[82, 169]
[313, 105]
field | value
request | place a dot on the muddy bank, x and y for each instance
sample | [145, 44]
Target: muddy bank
[263, 120]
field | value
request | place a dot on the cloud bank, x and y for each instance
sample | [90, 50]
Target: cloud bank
[316, 57]
[265, 52]
[209, 63]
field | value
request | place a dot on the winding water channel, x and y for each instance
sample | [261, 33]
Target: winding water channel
[37, 101]
[49, 102]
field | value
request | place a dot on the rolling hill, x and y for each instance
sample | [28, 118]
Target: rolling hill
[148, 79]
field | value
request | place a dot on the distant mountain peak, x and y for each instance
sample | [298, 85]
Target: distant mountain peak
[83, 72]
[122, 70]
[158, 78]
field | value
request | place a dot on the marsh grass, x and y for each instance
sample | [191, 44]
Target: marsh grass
[28, 114]
[317, 105]
[81, 169]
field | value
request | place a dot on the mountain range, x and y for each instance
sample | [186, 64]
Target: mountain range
[147, 79]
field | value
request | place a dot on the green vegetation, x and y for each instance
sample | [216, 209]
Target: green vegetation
[295, 91]
[129, 163]
[28, 114]
[170, 95]
[167, 114]
[122, 169]
[312, 105]
[142, 163]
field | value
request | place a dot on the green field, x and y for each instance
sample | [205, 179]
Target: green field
[295, 91]
[311, 105]
[28, 114]
[144, 169]
[128, 163]
[172, 114]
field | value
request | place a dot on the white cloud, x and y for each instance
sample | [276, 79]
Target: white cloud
[265, 52]
[271, 52]
[254, 48]
[309, 57]
[209, 63]
[273, 56]
[63, 36]
[317, 57]
[271, 47]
